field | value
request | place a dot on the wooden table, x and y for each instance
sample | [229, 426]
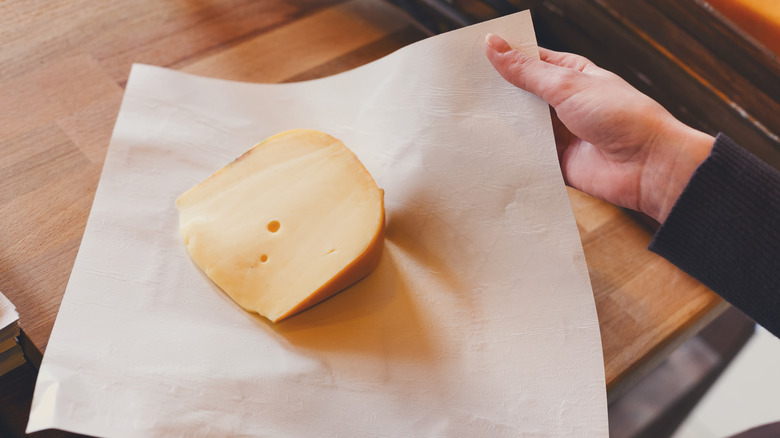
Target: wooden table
[63, 66]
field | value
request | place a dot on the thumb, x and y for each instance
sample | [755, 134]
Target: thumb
[523, 71]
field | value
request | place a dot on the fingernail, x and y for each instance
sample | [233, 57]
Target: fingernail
[497, 43]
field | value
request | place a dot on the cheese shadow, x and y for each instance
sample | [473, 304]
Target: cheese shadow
[403, 233]
[377, 316]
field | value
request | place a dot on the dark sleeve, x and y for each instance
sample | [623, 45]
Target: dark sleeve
[725, 231]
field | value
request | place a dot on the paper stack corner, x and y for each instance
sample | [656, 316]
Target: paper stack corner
[11, 353]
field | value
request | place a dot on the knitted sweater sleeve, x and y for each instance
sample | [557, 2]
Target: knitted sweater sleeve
[724, 231]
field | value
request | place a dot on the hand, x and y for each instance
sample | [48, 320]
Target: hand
[613, 142]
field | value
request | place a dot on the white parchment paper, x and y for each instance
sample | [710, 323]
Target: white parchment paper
[479, 321]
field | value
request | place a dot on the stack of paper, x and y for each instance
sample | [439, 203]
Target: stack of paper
[11, 355]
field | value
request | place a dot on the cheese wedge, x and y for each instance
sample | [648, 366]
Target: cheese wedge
[291, 222]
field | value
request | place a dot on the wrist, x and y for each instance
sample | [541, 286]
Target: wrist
[674, 158]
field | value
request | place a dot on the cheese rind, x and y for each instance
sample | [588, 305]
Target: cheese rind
[291, 222]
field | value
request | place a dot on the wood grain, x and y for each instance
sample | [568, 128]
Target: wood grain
[63, 67]
[646, 306]
[303, 44]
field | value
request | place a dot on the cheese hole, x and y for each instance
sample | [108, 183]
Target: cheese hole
[263, 258]
[274, 226]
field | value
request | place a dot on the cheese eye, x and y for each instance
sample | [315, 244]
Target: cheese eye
[274, 226]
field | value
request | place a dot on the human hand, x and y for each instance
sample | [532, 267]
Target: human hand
[613, 142]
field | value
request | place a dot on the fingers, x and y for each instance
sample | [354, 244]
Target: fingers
[568, 60]
[497, 44]
[547, 80]
[519, 69]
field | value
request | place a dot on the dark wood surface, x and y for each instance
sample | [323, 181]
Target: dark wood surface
[63, 66]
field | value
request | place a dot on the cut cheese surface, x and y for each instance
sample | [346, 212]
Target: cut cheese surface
[291, 222]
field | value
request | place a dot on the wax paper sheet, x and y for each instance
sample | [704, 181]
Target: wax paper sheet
[479, 320]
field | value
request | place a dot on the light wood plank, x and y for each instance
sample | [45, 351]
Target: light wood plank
[37, 158]
[591, 213]
[190, 31]
[54, 90]
[304, 44]
[46, 217]
[90, 128]
[646, 305]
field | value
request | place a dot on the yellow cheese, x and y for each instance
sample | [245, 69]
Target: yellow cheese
[291, 222]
